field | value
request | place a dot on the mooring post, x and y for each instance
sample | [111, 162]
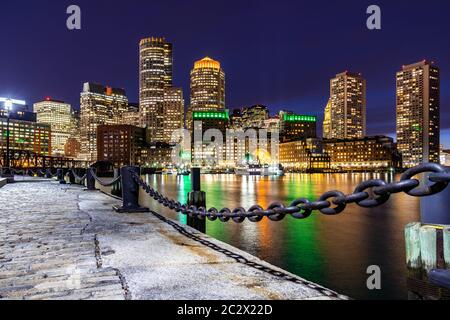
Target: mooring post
[60, 176]
[130, 191]
[90, 180]
[116, 188]
[427, 244]
[196, 198]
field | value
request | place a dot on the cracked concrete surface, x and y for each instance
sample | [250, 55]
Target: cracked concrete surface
[60, 242]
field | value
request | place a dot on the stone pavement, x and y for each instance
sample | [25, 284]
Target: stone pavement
[59, 242]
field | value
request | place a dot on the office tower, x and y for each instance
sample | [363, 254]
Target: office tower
[58, 115]
[207, 88]
[327, 122]
[155, 75]
[348, 106]
[173, 110]
[98, 105]
[295, 127]
[418, 113]
[204, 121]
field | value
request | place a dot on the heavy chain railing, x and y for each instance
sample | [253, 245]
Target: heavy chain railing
[78, 179]
[103, 183]
[330, 203]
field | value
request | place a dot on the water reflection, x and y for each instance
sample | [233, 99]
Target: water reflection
[334, 251]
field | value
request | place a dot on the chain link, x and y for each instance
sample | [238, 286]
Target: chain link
[330, 203]
[103, 183]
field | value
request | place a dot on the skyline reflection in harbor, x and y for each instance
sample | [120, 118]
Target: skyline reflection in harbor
[333, 251]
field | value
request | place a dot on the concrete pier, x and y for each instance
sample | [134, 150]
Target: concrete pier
[60, 242]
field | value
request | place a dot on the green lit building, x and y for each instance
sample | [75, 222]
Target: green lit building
[294, 127]
[202, 122]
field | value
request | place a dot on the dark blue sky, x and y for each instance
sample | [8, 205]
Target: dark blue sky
[278, 53]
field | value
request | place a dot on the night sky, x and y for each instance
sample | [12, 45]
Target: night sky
[277, 53]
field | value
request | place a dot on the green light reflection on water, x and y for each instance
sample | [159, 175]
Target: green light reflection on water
[302, 244]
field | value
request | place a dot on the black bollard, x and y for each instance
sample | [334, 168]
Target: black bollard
[90, 181]
[130, 192]
[196, 198]
[48, 174]
[116, 189]
[72, 179]
[60, 176]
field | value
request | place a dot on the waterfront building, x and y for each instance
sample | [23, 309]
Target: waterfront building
[158, 155]
[347, 107]
[121, 145]
[255, 116]
[72, 148]
[304, 155]
[363, 154]
[99, 105]
[207, 88]
[295, 127]
[25, 134]
[418, 113]
[58, 115]
[155, 75]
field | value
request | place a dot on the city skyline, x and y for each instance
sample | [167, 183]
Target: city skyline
[290, 82]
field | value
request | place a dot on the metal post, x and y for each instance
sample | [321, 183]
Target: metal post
[72, 179]
[196, 198]
[90, 181]
[48, 174]
[130, 192]
[60, 176]
[434, 209]
[116, 189]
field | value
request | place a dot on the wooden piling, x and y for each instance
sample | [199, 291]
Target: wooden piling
[446, 240]
[428, 247]
[412, 236]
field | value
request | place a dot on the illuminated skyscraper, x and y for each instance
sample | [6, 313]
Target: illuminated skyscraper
[418, 113]
[155, 74]
[173, 110]
[58, 115]
[98, 105]
[207, 88]
[348, 106]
